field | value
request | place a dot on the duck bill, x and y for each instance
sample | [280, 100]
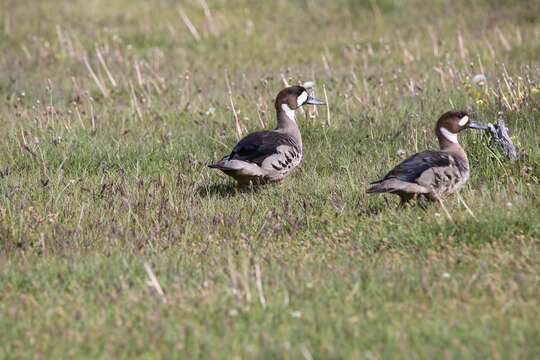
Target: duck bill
[313, 101]
[477, 126]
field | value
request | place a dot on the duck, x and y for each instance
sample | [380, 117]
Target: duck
[433, 174]
[269, 156]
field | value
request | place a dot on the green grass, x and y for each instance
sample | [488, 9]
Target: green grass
[311, 268]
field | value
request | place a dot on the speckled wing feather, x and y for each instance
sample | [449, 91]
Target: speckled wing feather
[411, 168]
[259, 145]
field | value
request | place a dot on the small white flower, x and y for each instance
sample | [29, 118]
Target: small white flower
[296, 314]
[401, 153]
[479, 79]
[446, 275]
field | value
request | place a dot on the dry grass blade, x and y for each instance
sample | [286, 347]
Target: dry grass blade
[503, 39]
[448, 216]
[237, 123]
[100, 85]
[105, 67]
[461, 46]
[328, 117]
[258, 281]
[192, 29]
[209, 18]
[153, 281]
[134, 102]
[466, 207]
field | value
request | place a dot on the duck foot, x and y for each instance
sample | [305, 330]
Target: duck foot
[404, 204]
[424, 203]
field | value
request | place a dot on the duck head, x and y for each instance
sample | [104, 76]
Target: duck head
[293, 97]
[451, 123]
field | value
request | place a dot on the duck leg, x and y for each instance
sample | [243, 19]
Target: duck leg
[405, 199]
[237, 187]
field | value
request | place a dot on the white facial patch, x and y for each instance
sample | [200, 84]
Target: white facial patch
[301, 99]
[450, 136]
[464, 120]
[288, 111]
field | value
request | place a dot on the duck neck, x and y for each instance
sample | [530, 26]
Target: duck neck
[286, 123]
[449, 142]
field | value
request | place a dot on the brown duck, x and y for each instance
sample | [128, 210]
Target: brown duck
[432, 174]
[269, 156]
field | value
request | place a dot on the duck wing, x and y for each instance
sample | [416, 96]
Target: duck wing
[412, 168]
[257, 146]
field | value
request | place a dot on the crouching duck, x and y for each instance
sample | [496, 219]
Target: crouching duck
[269, 156]
[432, 174]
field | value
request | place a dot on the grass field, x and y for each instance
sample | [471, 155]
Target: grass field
[116, 240]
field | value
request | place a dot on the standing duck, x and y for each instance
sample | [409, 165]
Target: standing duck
[433, 174]
[269, 156]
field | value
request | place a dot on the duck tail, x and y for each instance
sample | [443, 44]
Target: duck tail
[228, 165]
[397, 186]
[221, 164]
[377, 188]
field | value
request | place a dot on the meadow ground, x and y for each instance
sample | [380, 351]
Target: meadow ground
[117, 241]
